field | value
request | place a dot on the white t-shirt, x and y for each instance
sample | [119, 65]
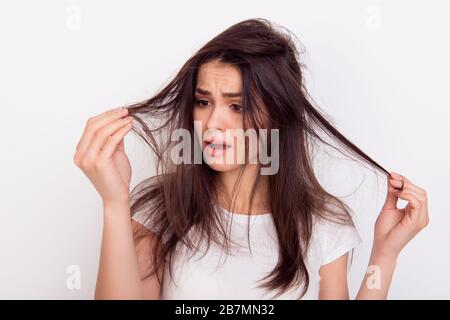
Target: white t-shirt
[217, 275]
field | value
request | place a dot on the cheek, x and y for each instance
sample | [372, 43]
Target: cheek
[235, 120]
[196, 114]
[200, 116]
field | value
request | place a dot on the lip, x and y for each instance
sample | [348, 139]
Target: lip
[216, 146]
[216, 142]
[213, 152]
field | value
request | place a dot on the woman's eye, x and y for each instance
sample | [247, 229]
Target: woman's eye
[236, 108]
[201, 103]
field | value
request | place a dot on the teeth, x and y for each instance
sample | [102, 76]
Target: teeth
[218, 146]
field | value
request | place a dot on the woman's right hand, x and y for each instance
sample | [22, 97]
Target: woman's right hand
[100, 154]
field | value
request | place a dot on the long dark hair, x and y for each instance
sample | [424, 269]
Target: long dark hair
[182, 196]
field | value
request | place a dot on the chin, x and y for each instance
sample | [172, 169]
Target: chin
[223, 167]
[219, 163]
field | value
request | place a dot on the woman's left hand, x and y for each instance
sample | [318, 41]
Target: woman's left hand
[395, 227]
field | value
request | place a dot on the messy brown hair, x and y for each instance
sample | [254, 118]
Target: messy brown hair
[182, 196]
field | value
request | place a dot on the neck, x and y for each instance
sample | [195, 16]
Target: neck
[226, 181]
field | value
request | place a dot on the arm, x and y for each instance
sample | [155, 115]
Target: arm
[333, 280]
[125, 259]
[118, 275]
[377, 280]
[393, 230]
[376, 283]
[145, 244]
[100, 154]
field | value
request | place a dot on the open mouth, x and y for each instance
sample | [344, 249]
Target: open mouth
[218, 146]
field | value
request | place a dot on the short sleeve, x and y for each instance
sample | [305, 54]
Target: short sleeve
[337, 239]
[148, 221]
[144, 219]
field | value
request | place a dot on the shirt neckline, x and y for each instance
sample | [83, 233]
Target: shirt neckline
[242, 217]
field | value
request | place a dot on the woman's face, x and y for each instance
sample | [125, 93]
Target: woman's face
[218, 116]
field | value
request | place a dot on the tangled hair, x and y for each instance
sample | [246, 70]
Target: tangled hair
[182, 196]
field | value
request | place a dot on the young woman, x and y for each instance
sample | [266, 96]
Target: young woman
[226, 229]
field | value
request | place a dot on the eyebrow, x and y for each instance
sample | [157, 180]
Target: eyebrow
[224, 94]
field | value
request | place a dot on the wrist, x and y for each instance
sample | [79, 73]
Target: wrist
[116, 207]
[383, 257]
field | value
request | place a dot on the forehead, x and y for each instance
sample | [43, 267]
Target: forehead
[216, 75]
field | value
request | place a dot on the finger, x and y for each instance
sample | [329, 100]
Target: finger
[97, 122]
[402, 182]
[423, 214]
[391, 198]
[95, 118]
[395, 183]
[113, 142]
[410, 185]
[422, 194]
[395, 176]
[100, 137]
[94, 124]
[121, 146]
[398, 178]
[414, 202]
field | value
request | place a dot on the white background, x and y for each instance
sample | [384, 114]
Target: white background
[380, 69]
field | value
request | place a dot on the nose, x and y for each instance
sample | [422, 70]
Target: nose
[217, 119]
